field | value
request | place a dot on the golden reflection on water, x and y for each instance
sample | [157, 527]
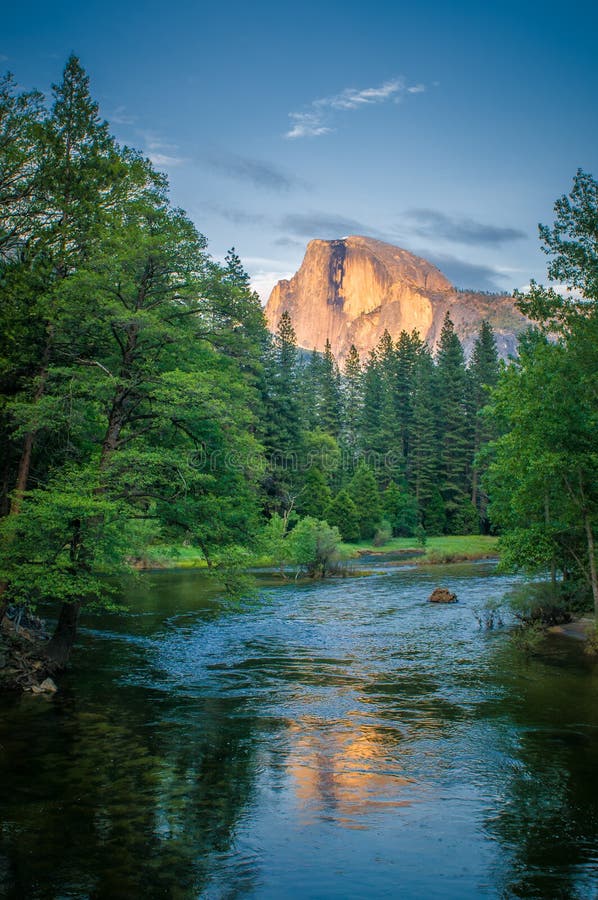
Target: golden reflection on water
[345, 770]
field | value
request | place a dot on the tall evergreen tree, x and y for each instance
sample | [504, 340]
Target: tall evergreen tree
[282, 432]
[352, 384]
[363, 490]
[451, 381]
[483, 372]
[342, 513]
[329, 400]
[424, 449]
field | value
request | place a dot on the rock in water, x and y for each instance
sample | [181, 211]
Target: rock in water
[442, 595]
[46, 687]
[350, 291]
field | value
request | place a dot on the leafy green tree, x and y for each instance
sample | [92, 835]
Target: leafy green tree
[342, 513]
[363, 490]
[546, 404]
[315, 494]
[323, 452]
[316, 547]
[149, 413]
[400, 509]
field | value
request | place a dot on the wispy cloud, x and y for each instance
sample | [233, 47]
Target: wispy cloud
[289, 242]
[259, 172]
[307, 124]
[465, 274]
[235, 215]
[120, 116]
[161, 152]
[432, 223]
[313, 120]
[311, 225]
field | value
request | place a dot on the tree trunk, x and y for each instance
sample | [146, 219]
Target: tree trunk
[592, 556]
[58, 650]
[23, 474]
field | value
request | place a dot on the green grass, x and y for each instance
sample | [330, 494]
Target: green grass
[170, 556]
[445, 548]
[442, 549]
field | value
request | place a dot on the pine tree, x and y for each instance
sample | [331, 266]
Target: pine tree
[352, 384]
[483, 372]
[372, 442]
[408, 347]
[400, 508]
[363, 490]
[282, 423]
[451, 381]
[315, 495]
[329, 400]
[424, 455]
[342, 513]
[309, 386]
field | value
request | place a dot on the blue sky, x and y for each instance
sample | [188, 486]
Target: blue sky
[446, 128]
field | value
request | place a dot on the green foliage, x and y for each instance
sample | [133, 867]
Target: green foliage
[383, 534]
[363, 490]
[316, 547]
[315, 495]
[451, 381]
[342, 513]
[543, 479]
[540, 603]
[129, 377]
[400, 509]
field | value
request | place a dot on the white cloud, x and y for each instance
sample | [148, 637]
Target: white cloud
[351, 98]
[263, 280]
[162, 159]
[162, 153]
[307, 125]
[312, 122]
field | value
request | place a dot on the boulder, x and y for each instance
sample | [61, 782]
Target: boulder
[442, 595]
[46, 687]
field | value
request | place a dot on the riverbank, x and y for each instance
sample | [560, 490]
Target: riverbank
[437, 551]
[23, 667]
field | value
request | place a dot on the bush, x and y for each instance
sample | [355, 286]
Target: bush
[383, 534]
[316, 547]
[541, 604]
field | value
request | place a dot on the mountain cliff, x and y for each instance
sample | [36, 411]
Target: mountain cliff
[350, 290]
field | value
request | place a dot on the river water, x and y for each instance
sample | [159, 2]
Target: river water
[343, 739]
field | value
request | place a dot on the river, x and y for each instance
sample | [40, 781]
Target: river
[342, 739]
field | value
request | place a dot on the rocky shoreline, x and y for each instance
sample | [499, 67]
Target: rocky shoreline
[23, 667]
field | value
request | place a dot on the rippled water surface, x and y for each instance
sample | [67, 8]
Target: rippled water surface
[337, 740]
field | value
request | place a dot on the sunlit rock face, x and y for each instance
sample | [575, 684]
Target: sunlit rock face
[349, 291]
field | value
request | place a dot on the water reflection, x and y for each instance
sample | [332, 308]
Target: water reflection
[345, 774]
[548, 823]
[343, 740]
